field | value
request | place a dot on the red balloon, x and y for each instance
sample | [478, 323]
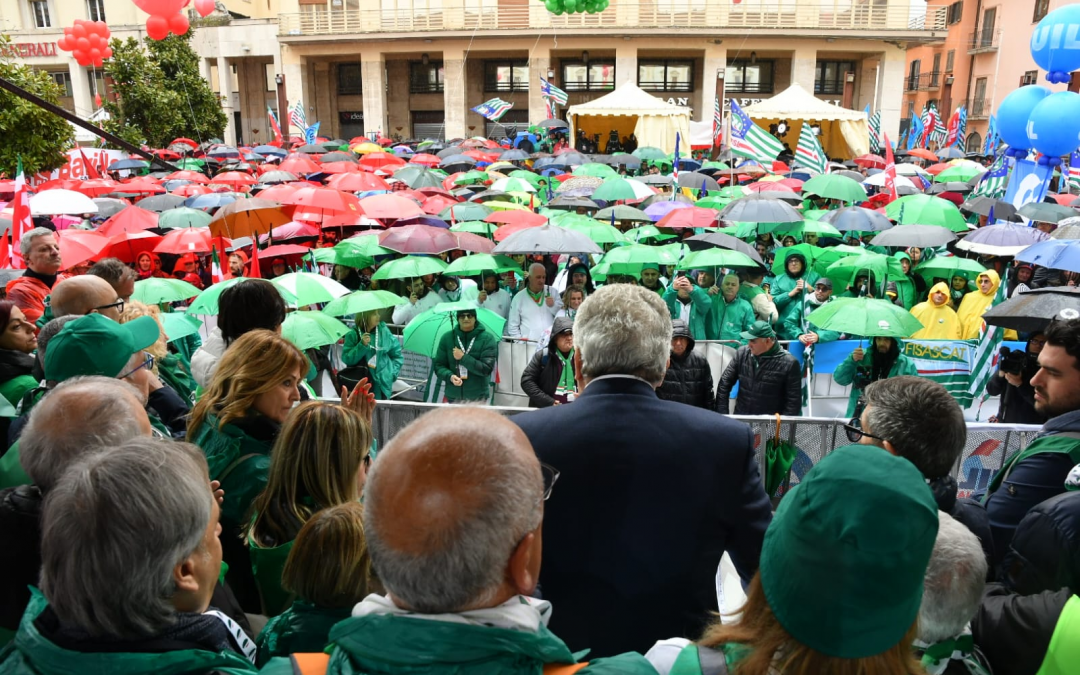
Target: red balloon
[107, 54]
[83, 44]
[157, 27]
[178, 23]
[204, 7]
[102, 28]
[95, 55]
[79, 30]
[62, 43]
[80, 57]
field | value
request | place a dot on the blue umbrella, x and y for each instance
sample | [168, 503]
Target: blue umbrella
[214, 200]
[1058, 254]
[686, 164]
[123, 164]
[268, 150]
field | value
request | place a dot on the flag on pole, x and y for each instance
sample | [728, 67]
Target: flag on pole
[21, 222]
[550, 91]
[750, 140]
[493, 109]
[995, 181]
[274, 125]
[1074, 169]
[927, 120]
[88, 166]
[809, 152]
[984, 363]
[298, 117]
[957, 127]
[550, 108]
[875, 133]
[675, 168]
[940, 132]
[890, 170]
[991, 143]
[717, 122]
[216, 274]
[916, 133]
[254, 271]
[311, 133]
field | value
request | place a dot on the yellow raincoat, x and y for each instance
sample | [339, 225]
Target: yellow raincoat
[975, 305]
[939, 321]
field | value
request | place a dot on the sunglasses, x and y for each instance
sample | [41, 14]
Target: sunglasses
[147, 363]
[854, 432]
[119, 305]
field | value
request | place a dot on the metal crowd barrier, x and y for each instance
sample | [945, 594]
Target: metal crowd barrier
[987, 448]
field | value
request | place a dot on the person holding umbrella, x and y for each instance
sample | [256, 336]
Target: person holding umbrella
[885, 359]
[371, 343]
[730, 314]
[789, 291]
[465, 358]
[492, 297]
[690, 303]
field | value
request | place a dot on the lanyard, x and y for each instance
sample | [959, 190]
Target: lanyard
[463, 347]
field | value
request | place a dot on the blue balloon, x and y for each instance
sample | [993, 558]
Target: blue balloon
[1013, 114]
[1054, 126]
[1055, 43]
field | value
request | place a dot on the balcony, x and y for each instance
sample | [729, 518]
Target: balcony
[983, 41]
[705, 16]
[924, 82]
[979, 108]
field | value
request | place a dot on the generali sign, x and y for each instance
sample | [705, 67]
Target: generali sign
[24, 50]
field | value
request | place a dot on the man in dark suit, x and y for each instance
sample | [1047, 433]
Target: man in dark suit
[651, 492]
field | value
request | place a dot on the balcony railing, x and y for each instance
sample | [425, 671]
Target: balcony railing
[985, 40]
[804, 14]
[979, 108]
[924, 82]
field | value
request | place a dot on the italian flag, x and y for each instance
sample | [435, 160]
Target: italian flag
[21, 223]
[216, 275]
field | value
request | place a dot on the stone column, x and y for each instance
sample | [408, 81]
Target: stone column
[715, 61]
[891, 90]
[398, 113]
[373, 77]
[625, 63]
[294, 68]
[804, 67]
[454, 93]
[80, 90]
[325, 113]
[225, 91]
[538, 67]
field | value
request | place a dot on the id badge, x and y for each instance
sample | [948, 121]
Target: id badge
[371, 362]
[463, 372]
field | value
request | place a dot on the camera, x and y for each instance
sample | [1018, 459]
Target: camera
[862, 378]
[1012, 362]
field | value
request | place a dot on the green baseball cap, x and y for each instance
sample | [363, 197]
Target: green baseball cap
[97, 345]
[758, 329]
[845, 555]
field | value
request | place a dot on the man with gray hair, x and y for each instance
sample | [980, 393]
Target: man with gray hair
[952, 590]
[130, 557]
[453, 509]
[120, 276]
[655, 491]
[40, 250]
[533, 309]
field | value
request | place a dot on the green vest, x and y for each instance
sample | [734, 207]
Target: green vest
[1063, 655]
[1061, 443]
[267, 565]
[302, 628]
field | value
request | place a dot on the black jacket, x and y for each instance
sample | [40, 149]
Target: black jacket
[1044, 554]
[688, 379]
[969, 513]
[774, 386]
[541, 377]
[1014, 630]
[650, 496]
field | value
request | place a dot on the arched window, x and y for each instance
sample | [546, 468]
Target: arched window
[974, 142]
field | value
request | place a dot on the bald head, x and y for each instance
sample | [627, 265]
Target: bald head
[82, 295]
[447, 503]
[537, 277]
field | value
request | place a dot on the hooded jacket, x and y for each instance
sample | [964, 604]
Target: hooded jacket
[975, 304]
[939, 321]
[301, 628]
[1045, 551]
[483, 352]
[727, 320]
[689, 378]
[700, 305]
[848, 368]
[385, 348]
[155, 266]
[786, 306]
[541, 377]
[911, 287]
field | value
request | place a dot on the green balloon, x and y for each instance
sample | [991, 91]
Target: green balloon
[551, 5]
[559, 11]
[570, 6]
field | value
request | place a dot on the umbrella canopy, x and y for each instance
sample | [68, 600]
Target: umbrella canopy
[1067, 229]
[616, 189]
[389, 207]
[66, 202]
[757, 209]
[424, 332]
[475, 227]
[478, 263]
[465, 211]
[409, 267]
[1038, 211]
[721, 240]
[947, 267]
[184, 241]
[179, 325]
[599, 232]
[800, 230]
[984, 205]
[1033, 310]
[157, 290]
[309, 289]
[846, 270]
[717, 257]
[834, 186]
[418, 239]
[207, 301]
[363, 301]
[213, 200]
[688, 217]
[1058, 254]
[622, 212]
[1006, 239]
[659, 209]
[921, 236]
[131, 219]
[160, 203]
[960, 172]
[547, 238]
[247, 218]
[128, 245]
[926, 210]
[856, 219]
[183, 217]
[867, 317]
[307, 329]
[79, 246]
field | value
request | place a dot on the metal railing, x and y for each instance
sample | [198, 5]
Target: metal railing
[923, 81]
[980, 108]
[985, 40]
[819, 15]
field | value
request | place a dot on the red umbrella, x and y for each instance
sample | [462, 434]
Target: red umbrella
[384, 141]
[191, 190]
[139, 186]
[129, 219]
[279, 193]
[187, 240]
[507, 230]
[186, 141]
[302, 165]
[924, 154]
[448, 182]
[193, 176]
[389, 207]
[79, 246]
[473, 242]
[97, 187]
[350, 220]
[233, 178]
[418, 239]
[380, 160]
[339, 167]
[935, 169]
[357, 182]
[433, 191]
[128, 245]
[283, 250]
[292, 230]
[766, 186]
[167, 155]
[691, 217]
[1063, 199]
[870, 161]
[516, 217]
[780, 167]
[322, 200]
[424, 159]
[433, 205]
[59, 184]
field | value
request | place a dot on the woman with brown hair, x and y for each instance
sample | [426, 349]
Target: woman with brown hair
[319, 460]
[329, 572]
[840, 582]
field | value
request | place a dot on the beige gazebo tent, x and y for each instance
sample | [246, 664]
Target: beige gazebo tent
[631, 110]
[844, 133]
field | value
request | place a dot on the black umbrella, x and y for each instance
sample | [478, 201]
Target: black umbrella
[160, 203]
[108, 207]
[655, 179]
[553, 124]
[338, 156]
[857, 219]
[853, 175]
[721, 240]
[792, 197]
[951, 152]
[565, 202]
[450, 151]
[690, 179]
[759, 209]
[950, 186]
[921, 236]
[311, 149]
[1034, 310]
[983, 206]
[1046, 213]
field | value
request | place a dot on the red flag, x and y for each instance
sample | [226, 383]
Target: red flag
[253, 267]
[21, 222]
[91, 170]
[5, 250]
[274, 127]
[954, 128]
[890, 170]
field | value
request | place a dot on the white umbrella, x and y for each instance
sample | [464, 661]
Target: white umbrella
[547, 238]
[878, 180]
[61, 202]
[310, 288]
[908, 169]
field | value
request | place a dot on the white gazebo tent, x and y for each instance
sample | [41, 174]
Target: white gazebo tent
[631, 110]
[844, 133]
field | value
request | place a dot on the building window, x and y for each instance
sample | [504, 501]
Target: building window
[506, 76]
[744, 77]
[63, 80]
[666, 75]
[1029, 77]
[95, 10]
[270, 76]
[935, 73]
[974, 142]
[426, 78]
[40, 10]
[949, 59]
[829, 78]
[978, 104]
[594, 76]
[95, 78]
[956, 11]
[913, 75]
[348, 79]
[1041, 8]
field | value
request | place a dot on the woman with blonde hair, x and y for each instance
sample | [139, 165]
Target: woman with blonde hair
[168, 365]
[840, 581]
[329, 572]
[319, 460]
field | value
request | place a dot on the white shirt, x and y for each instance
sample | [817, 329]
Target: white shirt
[529, 320]
[403, 314]
[498, 302]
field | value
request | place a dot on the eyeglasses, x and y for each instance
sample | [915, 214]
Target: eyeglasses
[551, 474]
[119, 305]
[854, 431]
[148, 363]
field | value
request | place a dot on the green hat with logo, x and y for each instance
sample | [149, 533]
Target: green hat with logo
[759, 329]
[844, 558]
[97, 345]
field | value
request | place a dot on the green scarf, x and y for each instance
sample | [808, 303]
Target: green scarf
[936, 657]
[566, 380]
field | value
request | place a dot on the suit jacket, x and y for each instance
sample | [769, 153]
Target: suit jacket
[651, 494]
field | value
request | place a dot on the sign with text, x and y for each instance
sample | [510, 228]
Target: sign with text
[76, 167]
[28, 50]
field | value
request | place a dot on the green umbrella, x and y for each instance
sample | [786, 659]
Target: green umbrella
[179, 325]
[835, 186]
[639, 234]
[312, 329]
[866, 317]
[640, 254]
[716, 257]
[596, 170]
[155, 290]
[207, 302]
[528, 176]
[476, 227]
[513, 185]
[599, 232]
[409, 267]
[800, 230]
[478, 263]
[811, 253]
[649, 153]
[926, 210]
[833, 253]
[190, 163]
[183, 217]
[424, 332]
[355, 251]
[946, 267]
[960, 172]
[310, 289]
[814, 214]
[623, 212]
[363, 301]
[619, 188]
[732, 192]
[713, 202]
[880, 266]
[465, 211]
[472, 178]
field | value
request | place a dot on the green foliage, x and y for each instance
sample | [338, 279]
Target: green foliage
[161, 94]
[38, 136]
